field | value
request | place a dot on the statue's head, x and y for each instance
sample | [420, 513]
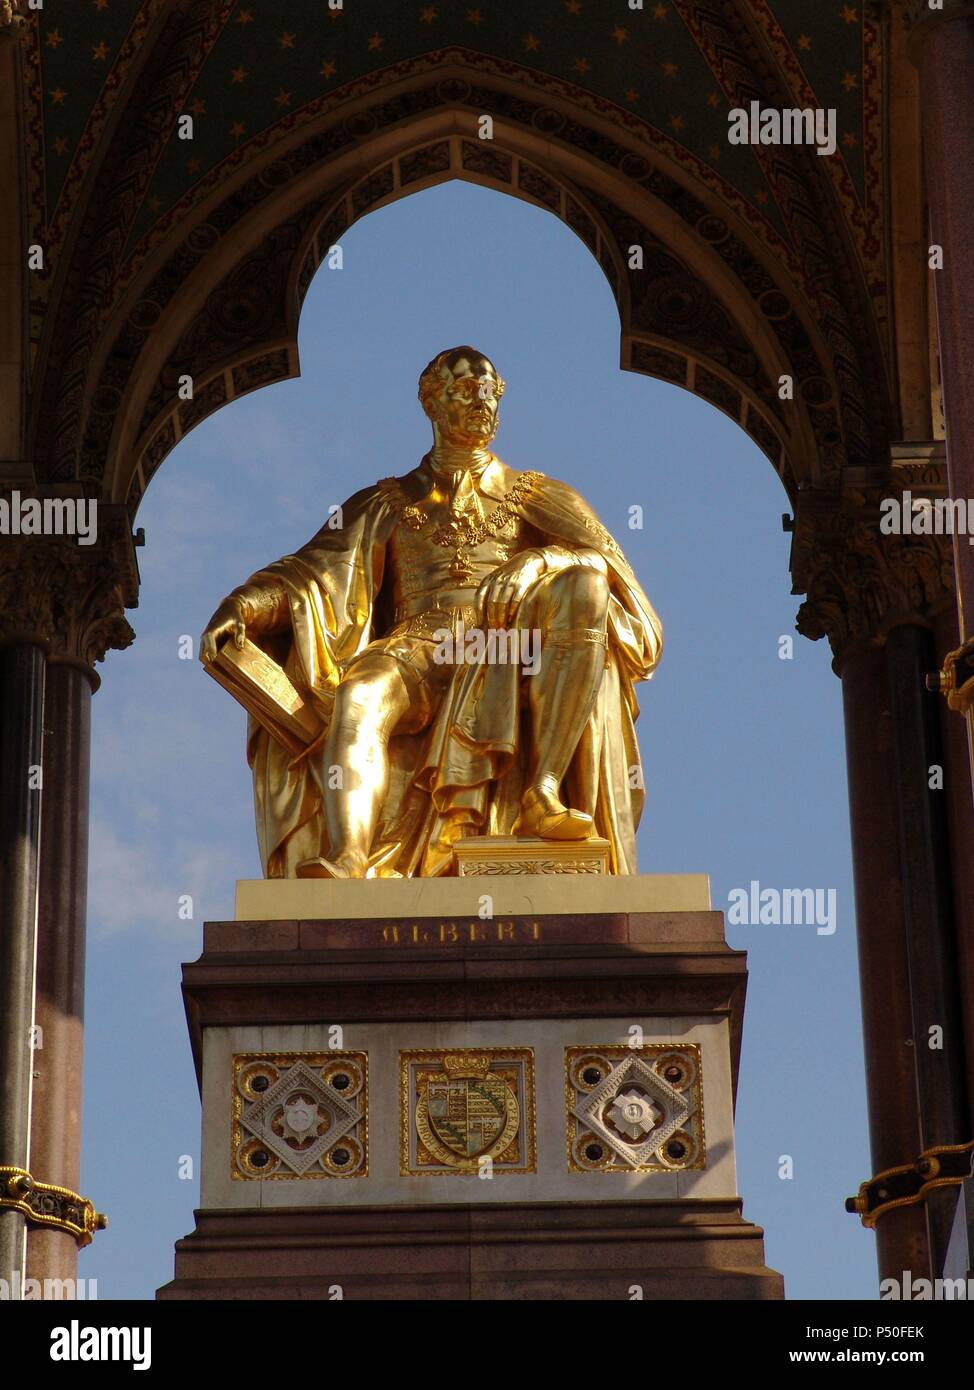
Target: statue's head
[460, 390]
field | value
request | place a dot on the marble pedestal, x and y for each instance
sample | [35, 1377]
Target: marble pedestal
[518, 1086]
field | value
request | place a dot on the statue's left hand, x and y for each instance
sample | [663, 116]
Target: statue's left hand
[501, 592]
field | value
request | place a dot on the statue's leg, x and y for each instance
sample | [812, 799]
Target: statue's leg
[354, 764]
[572, 606]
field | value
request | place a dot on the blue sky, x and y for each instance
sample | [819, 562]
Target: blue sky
[743, 752]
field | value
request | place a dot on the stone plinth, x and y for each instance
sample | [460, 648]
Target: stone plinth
[509, 1099]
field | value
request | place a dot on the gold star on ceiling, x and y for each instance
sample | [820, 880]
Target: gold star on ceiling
[54, 39]
[193, 166]
[237, 130]
[474, 17]
[61, 145]
[375, 43]
[245, 17]
[155, 203]
[286, 40]
[670, 69]
[581, 65]
[328, 68]
[849, 140]
[99, 51]
[197, 107]
[804, 42]
[849, 81]
[713, 152]
[282, 99]
[632, 96]
[573, 6]
[428, 14]
[101, 4]
[761, 196]
[659, 12]
[531, 43]
[676, 123]
[238, 75]
[619, 34]
[58, 95]
[848, 14]
[713, 100]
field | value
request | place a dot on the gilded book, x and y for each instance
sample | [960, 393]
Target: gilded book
[266, 692]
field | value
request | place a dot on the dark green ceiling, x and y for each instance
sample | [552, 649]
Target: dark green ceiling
[273, 58]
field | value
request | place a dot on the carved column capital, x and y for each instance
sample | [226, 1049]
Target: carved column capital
[66, 597]
[861, 579]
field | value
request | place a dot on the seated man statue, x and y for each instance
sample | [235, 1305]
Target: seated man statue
[417, 748]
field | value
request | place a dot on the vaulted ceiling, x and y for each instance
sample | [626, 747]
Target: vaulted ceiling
[163, 255]
[261, 65]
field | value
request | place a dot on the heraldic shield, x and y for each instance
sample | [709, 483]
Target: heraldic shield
[466, 1112]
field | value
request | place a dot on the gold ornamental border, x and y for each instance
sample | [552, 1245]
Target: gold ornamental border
[18, 1186]
[241, 1060]
[946, 1165]
[526, 1122]
[646, 1051]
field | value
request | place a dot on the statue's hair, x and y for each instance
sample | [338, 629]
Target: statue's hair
[435, 373]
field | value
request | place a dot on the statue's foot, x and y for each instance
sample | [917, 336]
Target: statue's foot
[542, 814]
[321, 868]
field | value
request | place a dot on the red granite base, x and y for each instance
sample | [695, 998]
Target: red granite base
[552, 1251]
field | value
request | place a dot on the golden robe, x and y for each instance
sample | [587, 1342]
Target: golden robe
[462, 774]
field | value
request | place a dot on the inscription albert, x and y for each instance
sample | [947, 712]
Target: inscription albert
[474, 932]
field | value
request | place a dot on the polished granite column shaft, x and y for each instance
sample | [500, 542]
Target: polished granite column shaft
[62, 894]
[881, 935]
[21, 719]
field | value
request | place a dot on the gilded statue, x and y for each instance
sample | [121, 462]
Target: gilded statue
[411, 744]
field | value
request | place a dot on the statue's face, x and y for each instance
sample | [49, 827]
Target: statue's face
[466, 410]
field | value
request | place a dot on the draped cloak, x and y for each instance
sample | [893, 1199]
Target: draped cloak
[464, 773]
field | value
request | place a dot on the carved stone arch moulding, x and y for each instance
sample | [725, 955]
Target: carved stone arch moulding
[763, 319]
[674, 326]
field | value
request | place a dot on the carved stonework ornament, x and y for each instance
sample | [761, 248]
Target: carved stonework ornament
[298, 1115]
[464, 1108]
[634, 1109]
[65, 597]
[860, 581]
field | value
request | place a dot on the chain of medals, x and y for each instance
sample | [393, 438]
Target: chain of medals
[463, 531]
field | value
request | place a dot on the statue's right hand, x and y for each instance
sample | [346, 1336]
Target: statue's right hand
[225, 624]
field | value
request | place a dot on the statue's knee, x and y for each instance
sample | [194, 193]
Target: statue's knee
[587, 593]
[364, 695]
